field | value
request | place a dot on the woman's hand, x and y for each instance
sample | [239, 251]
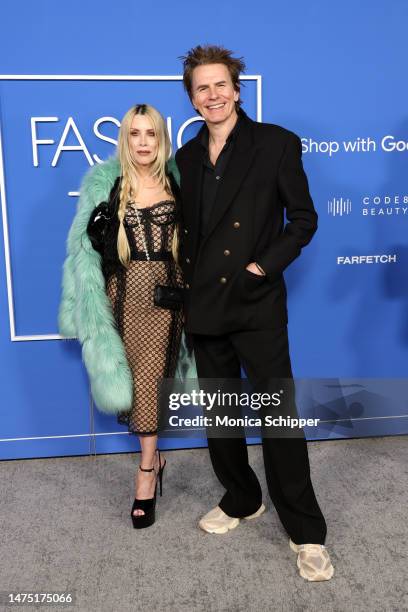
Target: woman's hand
[252, 267]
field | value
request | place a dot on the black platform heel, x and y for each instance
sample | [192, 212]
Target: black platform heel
[148, 506]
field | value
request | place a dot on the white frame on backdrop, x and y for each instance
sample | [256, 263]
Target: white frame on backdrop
[73, 77]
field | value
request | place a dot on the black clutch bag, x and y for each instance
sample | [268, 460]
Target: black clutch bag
[168, 297]
[98, 225]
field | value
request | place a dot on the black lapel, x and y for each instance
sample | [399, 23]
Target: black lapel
[239, 163]
[192, 172]
[175, 189]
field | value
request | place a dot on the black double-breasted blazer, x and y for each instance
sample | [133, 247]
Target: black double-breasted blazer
[263, 182]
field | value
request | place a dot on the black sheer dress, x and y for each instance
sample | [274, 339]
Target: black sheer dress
[151, 335]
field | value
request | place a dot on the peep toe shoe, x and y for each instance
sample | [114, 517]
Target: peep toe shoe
[148, 506]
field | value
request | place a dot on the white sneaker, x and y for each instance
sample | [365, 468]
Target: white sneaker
[216, 521]
[313, 561]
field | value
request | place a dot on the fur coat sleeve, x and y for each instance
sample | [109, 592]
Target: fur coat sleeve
[85, 312]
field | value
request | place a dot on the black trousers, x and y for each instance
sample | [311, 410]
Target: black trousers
[263, 354]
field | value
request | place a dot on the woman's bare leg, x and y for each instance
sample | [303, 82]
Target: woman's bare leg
[146, 481]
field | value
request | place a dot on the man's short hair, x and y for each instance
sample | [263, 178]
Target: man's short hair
[212, 54]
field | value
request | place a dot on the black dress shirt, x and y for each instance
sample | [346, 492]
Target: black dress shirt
[213, 174]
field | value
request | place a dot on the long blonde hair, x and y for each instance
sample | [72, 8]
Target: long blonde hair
[129, 183]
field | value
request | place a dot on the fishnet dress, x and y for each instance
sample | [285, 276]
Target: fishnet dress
[151, 335]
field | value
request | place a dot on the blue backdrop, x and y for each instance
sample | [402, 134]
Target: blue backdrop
[332, 73]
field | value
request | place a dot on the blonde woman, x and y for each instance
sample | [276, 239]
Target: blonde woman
[122, 287]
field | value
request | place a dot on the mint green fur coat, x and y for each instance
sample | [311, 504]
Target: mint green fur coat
[85, 311]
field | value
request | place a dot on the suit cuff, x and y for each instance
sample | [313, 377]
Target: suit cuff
[260, 268]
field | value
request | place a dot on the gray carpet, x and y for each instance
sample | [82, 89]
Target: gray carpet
[65, 525]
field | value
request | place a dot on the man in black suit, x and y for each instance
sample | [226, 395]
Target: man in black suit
[237, 179]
